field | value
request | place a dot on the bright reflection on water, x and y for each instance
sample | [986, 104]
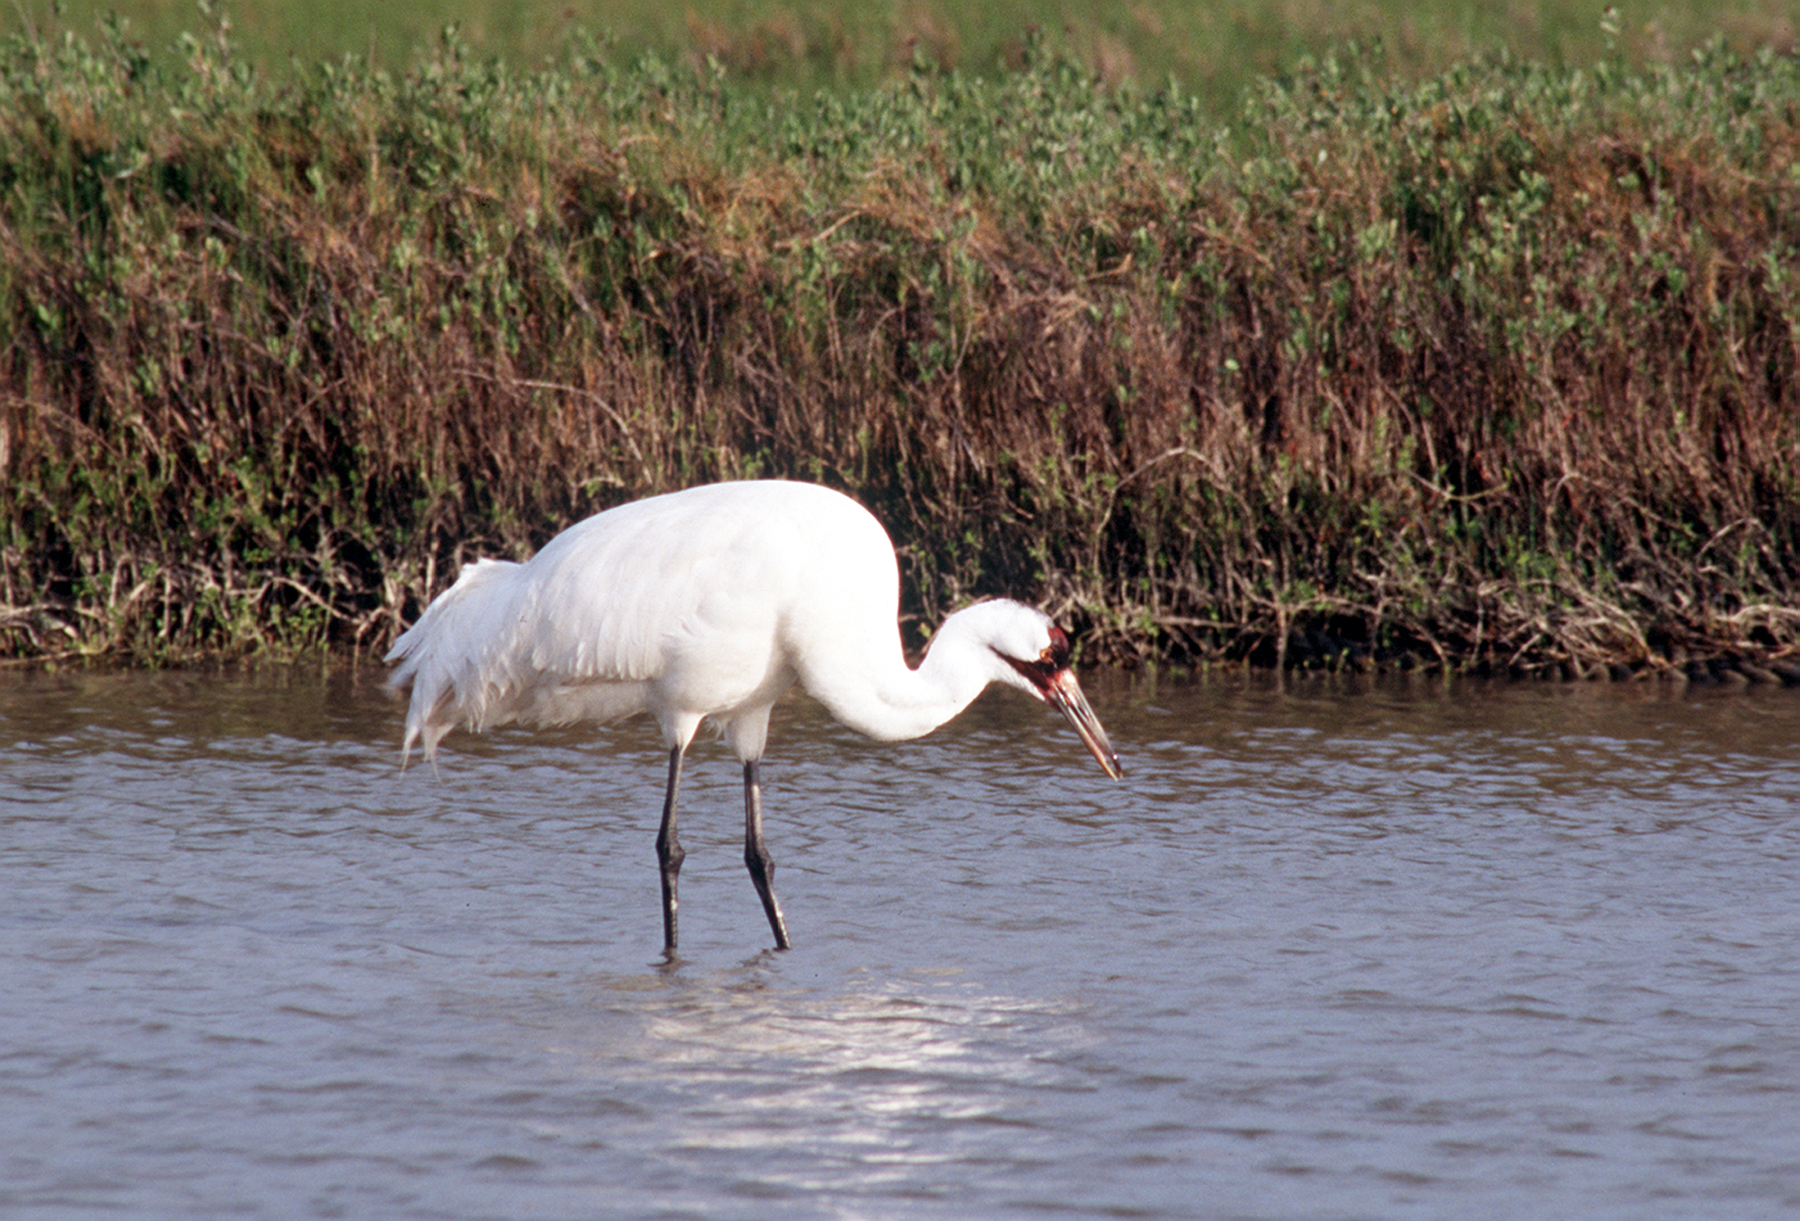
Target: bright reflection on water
[1333, 951]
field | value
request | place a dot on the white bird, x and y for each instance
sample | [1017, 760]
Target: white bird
[713, 602]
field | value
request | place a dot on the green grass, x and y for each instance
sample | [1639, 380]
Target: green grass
[1493, 368]
[1215, 49]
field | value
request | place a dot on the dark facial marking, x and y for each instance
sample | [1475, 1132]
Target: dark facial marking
[1048, 664]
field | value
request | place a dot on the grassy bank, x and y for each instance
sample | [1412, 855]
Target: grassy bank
[1215, 50]
[1496, 370]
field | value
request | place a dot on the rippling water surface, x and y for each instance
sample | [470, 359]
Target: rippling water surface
[1331, 950]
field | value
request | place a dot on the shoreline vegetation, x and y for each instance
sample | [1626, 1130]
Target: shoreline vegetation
[1495, 371]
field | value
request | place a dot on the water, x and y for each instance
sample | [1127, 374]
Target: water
[1331, 951]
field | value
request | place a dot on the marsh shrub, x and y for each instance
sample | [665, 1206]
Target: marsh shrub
[1496, 370]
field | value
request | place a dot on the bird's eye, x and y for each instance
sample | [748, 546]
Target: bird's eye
[1038, 672]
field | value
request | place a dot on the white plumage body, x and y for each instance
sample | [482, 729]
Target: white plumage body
[713, 602]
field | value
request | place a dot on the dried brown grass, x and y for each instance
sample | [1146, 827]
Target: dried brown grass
[1495, 373]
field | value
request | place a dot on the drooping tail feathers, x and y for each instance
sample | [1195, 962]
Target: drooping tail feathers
[455, 659]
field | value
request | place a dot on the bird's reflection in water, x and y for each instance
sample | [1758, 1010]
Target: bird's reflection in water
[868, 1081]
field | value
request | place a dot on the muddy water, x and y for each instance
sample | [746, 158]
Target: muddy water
[1330, 951]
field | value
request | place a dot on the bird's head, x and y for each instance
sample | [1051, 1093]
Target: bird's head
[1035, 653]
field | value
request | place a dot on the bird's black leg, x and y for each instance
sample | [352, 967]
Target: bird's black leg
[756, 855]
[669, 852]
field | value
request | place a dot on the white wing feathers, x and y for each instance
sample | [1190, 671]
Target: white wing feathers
[576, 633]
[700, 603]
[452, 657]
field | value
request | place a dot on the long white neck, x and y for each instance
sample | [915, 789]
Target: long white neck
[883, 698]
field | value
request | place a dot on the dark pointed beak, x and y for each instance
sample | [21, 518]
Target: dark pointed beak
[1064, 694]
